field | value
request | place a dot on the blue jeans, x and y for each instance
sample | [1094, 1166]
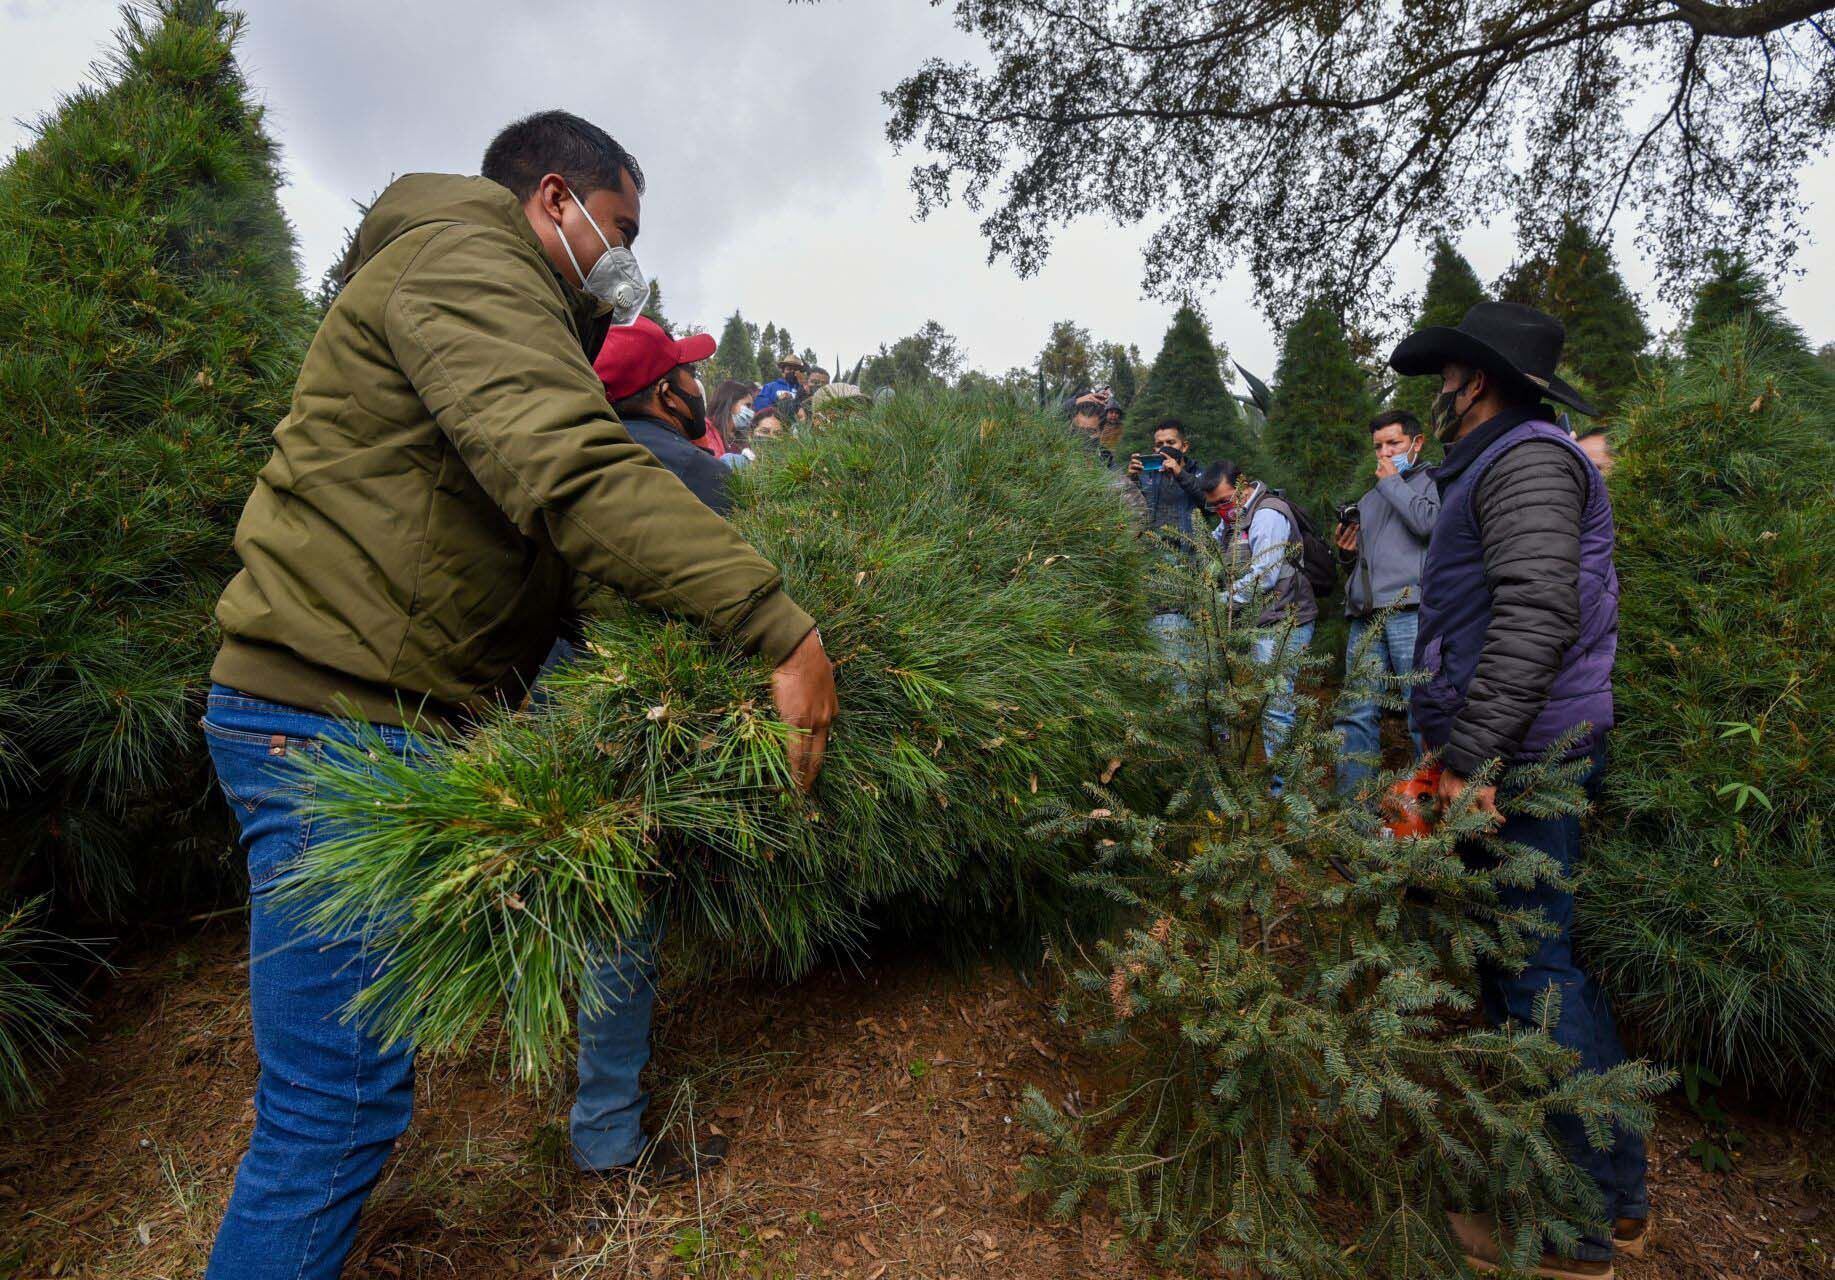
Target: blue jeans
[331, 1099]
[1360, 723]
[1277, 716]
[1172, 632]
[1585, 1024]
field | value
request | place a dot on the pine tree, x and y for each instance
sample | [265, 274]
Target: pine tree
[1302, 1089]
[37, 1015]
[1184, 384]
[767, 353]
[1067, 362]
[653, 307]
[1122, 363]
[151, 302]
[1735, 293]
[149, 285]
[1577, 282]
[736, 356]
[1709, 904]
[1452, 290]
[1317, 440]
[977, 583]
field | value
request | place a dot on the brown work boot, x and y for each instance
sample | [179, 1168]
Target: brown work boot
[1476, 1234]
[1630, 1235]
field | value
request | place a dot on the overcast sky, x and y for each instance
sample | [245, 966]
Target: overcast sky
[760, 129]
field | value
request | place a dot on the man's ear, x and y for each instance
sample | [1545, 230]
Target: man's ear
[551, 194]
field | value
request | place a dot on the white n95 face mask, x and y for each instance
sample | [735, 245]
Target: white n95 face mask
[615, 279]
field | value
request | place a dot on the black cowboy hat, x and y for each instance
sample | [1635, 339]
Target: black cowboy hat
[1503, 338]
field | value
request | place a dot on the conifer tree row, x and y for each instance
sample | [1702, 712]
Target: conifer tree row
[152, 300]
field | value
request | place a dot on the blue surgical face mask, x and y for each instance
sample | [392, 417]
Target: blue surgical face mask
[1402, 463]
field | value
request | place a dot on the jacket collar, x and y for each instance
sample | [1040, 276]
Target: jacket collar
[1468, 447]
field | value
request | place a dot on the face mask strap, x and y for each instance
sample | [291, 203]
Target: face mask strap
[567, 248]
[589, 221]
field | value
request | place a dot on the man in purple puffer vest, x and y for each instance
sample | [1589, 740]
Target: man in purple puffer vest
[1518, 629]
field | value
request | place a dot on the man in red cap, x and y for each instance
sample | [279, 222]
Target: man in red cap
[650, 379]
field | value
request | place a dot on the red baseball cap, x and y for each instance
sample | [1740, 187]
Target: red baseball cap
[638, 355]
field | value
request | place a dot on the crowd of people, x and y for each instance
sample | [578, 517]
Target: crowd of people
[486, 431]
[1484, 589]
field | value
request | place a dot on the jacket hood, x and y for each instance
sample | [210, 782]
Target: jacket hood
[417, 199]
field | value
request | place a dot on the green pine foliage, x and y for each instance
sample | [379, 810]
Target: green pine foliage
[1452, 290]
[1710, 907]
[1317, 440]
[977, 583]
[1577, 282]
[1184, 383]
[735, 357]
[653, 307]
[766, 370]
[1122, 376]
[150, 295]
[1302, 1088]
[1068, 358]
[1736, 293]
[37, 1015]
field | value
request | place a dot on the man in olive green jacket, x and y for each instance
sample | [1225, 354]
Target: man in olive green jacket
[449, 477]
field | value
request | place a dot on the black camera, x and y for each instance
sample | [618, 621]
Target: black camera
[1349, 516]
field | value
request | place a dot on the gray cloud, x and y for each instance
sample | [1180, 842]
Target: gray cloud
[759, 125]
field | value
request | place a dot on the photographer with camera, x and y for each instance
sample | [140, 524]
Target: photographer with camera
[1168, 491]
[1167, 480]
[1382, 541]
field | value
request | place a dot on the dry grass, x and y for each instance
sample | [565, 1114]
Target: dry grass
[872, 1137]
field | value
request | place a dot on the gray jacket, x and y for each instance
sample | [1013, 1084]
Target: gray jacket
[1395, 519]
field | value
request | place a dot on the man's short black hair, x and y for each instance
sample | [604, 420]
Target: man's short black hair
[1589, 433]
[1219, 471]
[558, 142]
[1171, 424]
[1410, 425]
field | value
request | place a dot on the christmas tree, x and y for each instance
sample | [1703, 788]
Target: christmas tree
[1317, 439]
[1452, 290]
[766, 370]
[976, 581]
[1184, 384]
[1577, 282]
[1710, 904]
[1735, 293]
[735, 357]
[1302, 1090]
[151, 296]
[653, 307]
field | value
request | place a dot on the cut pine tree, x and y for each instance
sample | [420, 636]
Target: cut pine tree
[977, 586]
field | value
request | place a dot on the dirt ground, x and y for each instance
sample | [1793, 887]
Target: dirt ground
[874, 1124]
